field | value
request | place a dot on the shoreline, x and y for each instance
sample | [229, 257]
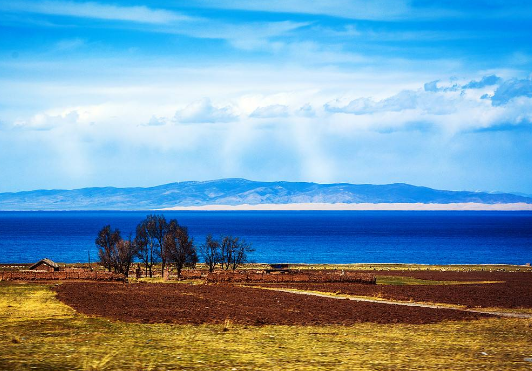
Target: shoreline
[356, 266]
[469, 206]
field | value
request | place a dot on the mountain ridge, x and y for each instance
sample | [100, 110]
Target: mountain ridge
[238, 191]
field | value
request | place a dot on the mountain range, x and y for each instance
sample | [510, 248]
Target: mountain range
[239, 192]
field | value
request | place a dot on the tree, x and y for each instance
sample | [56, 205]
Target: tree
[210, 251]
[114, 252]
[145, 247]
[226, 253]
[125, 252]
[179, 247]
[106, 242]
[233, 252]
[157, 227]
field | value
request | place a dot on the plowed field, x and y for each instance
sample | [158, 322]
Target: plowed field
[515, 290]
[198, 304]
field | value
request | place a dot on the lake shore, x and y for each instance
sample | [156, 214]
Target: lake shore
[469, 206]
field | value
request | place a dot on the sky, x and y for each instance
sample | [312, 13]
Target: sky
[142, 93]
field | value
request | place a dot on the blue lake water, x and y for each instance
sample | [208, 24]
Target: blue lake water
[440, 237]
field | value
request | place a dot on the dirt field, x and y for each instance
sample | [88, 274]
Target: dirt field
[198, 304]
[514, 292]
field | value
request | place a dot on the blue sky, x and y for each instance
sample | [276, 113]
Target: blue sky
[140, 93]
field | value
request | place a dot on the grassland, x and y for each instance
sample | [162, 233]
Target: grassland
[39, 332]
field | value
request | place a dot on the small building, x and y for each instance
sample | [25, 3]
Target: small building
[45, 265]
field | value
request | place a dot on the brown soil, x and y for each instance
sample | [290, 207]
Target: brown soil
[197, 304]
[514, 292]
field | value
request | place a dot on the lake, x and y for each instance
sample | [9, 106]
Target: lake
[424, 237]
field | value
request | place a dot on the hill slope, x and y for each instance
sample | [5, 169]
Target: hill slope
[240, 191]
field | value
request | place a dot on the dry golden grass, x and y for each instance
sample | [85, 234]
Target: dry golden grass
[41, 333]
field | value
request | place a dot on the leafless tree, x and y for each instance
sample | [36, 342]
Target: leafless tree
[106, 242]
[114, 252]
[210, 251]
[233, 252]
[125, 252]
[157, 227]
[226, 253]
[146, 250]
[180, 249]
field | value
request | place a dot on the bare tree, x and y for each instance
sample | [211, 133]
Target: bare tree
[106, 242]
[125, 252]
[114, 252]
[226, 253]
[233, 252]
[210, 251]
[180, 249]
[146, 249]
[240, 250]
[157, 228]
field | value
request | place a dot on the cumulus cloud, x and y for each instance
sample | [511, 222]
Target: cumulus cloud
[485, 81]
[512, 89]
[203, 111]
[317, 141]
[275, 110]
[405, 100]
[446, 111]
[44, 122]
[433, 87]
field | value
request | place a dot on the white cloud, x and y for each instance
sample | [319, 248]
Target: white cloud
[204, 112]
[45, 121]
[354, 9]
[433, 87]
[341, 110]
[446, 110]
[95, 10]
[484, 81]
[378, 9]
[306, 111]
[156, 121]
[404, 100]
[245, 36]
[312, 144]
[273, 111]
[512, 89]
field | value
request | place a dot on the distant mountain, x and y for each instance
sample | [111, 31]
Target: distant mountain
[240, 191]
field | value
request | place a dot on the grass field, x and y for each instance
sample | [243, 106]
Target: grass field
[39, 332]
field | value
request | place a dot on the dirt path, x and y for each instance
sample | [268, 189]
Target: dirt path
[513, 291]
[402, 303]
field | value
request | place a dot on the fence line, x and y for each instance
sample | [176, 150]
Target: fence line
[61, 275]
[315, 276]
